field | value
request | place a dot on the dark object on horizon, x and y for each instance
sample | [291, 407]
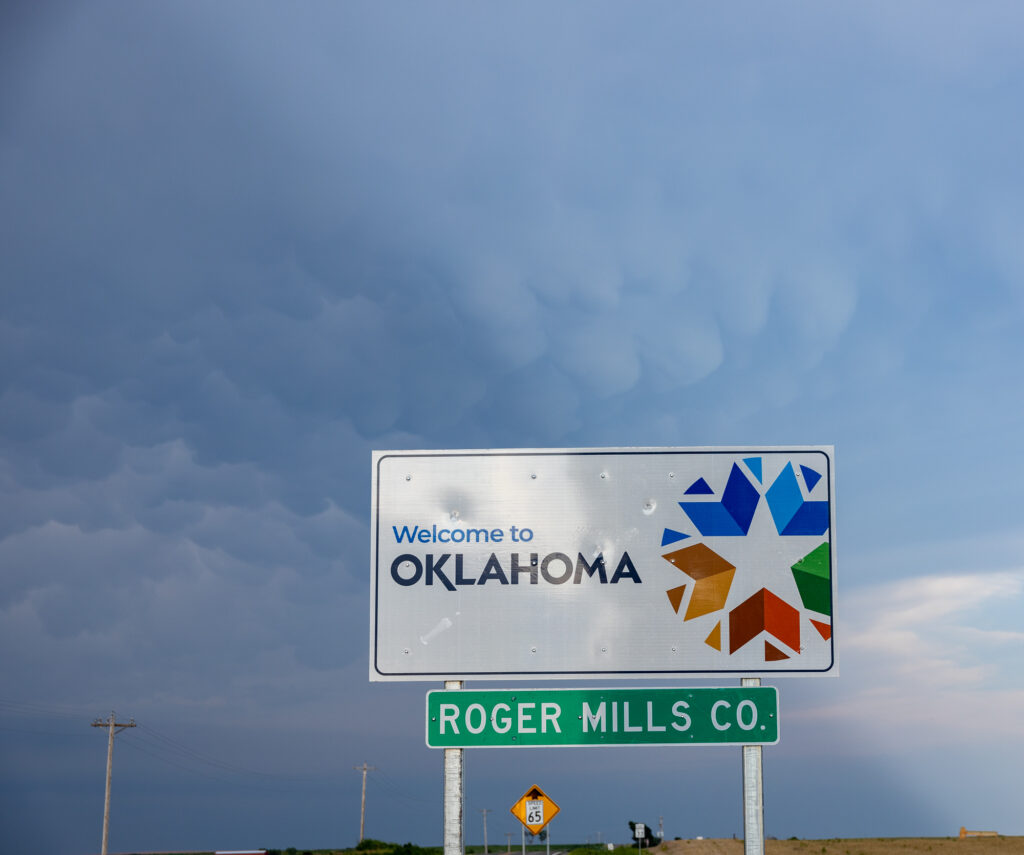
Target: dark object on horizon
[648, 840]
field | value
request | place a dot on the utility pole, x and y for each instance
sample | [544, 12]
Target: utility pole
[485, 811]
[112, 728]
[661, 828]
[508, 835]
[362, 808]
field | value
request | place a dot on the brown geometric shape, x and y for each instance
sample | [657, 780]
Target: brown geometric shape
[698, 561]
[773, 654]
[710, 594]
[715, 638]
[675, 596]
[824, 629]
[764, 612]
[745, 622]
[711, 572]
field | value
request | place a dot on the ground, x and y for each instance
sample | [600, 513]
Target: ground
[853, 846]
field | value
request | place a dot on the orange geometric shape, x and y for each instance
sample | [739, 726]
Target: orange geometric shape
[773, 654]
[698, 561]
[764, 612]
[715, 638]
[824, 629]
[711, 572]
[710, 594]
[675, 596]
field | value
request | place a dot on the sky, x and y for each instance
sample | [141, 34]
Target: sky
[242, 245]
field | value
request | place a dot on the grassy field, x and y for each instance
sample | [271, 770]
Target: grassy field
[854, 846]
[834, 846]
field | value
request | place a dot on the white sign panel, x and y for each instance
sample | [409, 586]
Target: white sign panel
[631, 562]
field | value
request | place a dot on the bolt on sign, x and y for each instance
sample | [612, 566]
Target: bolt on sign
[534, 810]
[629, 562]
[526, 718]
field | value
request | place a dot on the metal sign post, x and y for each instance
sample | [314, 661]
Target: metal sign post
[453, 794]
[753, 792]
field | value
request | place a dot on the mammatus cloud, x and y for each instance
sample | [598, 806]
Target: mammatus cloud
[241, 249]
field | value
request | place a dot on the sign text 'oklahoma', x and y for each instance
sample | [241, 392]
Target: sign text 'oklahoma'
[507, 718]
[617, 562]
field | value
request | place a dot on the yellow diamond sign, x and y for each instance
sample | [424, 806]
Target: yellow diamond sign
[534, 809]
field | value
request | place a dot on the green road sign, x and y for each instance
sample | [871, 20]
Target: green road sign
[508, 718]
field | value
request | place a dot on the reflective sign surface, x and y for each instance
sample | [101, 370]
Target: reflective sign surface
[527, 718]
[616, 562]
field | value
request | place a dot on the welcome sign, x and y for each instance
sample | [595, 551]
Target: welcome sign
[544, 563]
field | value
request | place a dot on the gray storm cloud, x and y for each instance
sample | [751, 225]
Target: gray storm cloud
[242, 247]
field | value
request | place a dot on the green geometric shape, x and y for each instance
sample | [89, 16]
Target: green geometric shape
[815, 562]
[813, 578]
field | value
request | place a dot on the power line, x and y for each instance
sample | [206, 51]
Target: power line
[155, 751]
[134, 745]
[35, 710]
[389, 784]
[53, 731]
[151, 742]
[173, 746]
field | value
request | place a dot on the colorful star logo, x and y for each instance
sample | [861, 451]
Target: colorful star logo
[798, 504]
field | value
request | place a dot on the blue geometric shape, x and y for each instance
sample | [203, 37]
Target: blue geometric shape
[810, 477]
[811, 519]
[740, 498]
[711, 519]
[784, 498]
[730, 517]
[792, 515]
[671, 536]
[699, 488]
[754, 464]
